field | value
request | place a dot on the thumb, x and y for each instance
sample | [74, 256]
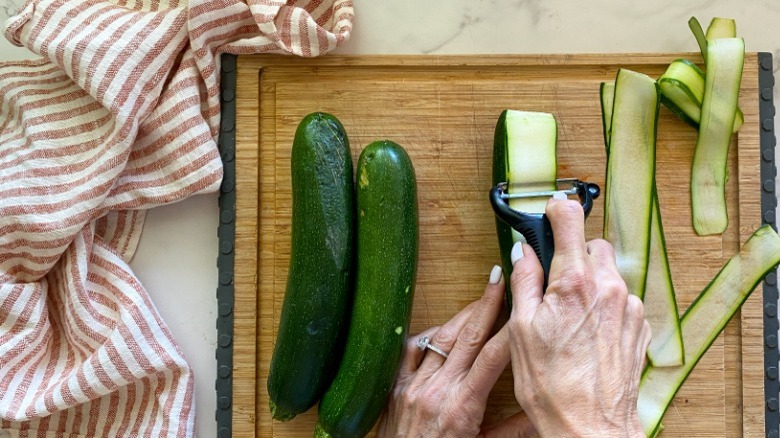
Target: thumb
[526, 282]
[516, 426]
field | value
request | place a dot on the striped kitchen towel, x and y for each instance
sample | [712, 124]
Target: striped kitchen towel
[120, 114]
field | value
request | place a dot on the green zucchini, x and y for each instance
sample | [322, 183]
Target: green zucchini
[666, 347]
[387, 245]
[524, 155]
[725, 60]
[630, 177]
[318, 292]
[705, 319]
[682, 88]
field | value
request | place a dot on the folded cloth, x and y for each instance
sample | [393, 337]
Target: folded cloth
[120, 114]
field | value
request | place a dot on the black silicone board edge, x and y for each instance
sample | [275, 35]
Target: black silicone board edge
[766, 110]
[226, 233]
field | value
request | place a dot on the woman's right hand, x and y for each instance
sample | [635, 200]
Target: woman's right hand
[579, 349]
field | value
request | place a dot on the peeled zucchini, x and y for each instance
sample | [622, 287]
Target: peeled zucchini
[524, 155]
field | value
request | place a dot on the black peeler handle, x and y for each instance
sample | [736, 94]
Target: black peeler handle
[535, 227]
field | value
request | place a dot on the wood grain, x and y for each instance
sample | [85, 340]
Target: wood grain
[443, 111]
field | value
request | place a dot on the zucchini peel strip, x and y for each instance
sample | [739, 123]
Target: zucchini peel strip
[666, 346]
[725, 60]
[705, 319]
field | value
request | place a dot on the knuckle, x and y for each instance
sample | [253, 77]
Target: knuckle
[524, 275]
[491, 300]
[471, 335]
[614, 287]
[445, 337]
[408, 400]
[601, 246]
[578, 278]
[453, 418]
[565, 208]
[428, 402]
[602, 243]
[490, 355]
[449, 420]
[455, 423]
[635, 308]
[515, 326]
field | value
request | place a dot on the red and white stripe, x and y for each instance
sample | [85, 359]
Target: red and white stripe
[120, 114]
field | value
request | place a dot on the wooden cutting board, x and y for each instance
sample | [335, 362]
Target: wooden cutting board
[443, 111]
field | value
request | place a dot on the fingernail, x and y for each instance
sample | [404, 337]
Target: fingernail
[495, 275]
[559, 195]
[517, 252]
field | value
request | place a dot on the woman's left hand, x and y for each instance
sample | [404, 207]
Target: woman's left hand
[436, 396]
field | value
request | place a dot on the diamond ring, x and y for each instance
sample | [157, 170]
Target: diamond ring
[425, 342]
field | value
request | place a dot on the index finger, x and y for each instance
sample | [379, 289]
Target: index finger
[567, 220]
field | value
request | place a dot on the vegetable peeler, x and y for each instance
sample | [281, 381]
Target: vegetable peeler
[535, 227]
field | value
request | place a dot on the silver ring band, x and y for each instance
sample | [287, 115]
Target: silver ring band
[425, 342]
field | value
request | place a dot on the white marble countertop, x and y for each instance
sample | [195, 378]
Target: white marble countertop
[176, 258]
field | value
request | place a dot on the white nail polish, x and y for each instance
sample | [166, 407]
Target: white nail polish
[559, 195]
[517, 252]
[495, 275]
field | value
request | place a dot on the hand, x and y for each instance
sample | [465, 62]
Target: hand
[577, 351]
[438, 397]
